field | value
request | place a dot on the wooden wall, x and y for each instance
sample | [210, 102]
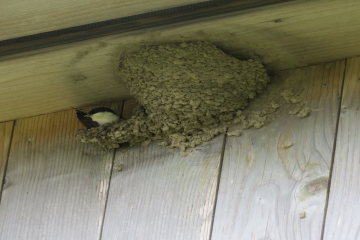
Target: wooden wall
[247, 187]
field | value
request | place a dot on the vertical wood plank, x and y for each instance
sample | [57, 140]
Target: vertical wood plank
[56, 187]
[268, 191]
[342, 216]
[6, 129]
[161, 195]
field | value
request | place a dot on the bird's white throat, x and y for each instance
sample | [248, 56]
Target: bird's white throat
[104, 117]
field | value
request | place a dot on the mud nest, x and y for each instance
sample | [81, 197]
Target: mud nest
[189, 92]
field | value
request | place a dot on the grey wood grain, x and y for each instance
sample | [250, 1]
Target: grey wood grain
[268, 191]
[55, 187]
[19, 19]
[342, 216]
[161, 195]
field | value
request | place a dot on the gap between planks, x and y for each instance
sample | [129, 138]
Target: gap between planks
[127, 107]
[334, 151]
[6, 134]
[218, 186]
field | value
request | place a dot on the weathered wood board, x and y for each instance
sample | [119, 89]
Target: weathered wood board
[45, 88]
[22, 18]
[161, 195]
[6, 130]
[342, 216]
[286, 35]
[268, 191]
[55, 187]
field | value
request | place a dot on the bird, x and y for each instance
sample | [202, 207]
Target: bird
[96, 117]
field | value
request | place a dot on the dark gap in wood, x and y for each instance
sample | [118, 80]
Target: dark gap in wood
[131, 23]
[7, 160]
[119, 105]
[218, 186]
[110, 176]
[122, 107]
[333, 152]
[107, 195]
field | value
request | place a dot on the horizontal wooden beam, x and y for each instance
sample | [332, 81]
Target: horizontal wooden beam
[128, 24]
[287, 35]
[23, 18]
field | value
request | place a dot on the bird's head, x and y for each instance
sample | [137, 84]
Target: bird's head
[97, 117]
